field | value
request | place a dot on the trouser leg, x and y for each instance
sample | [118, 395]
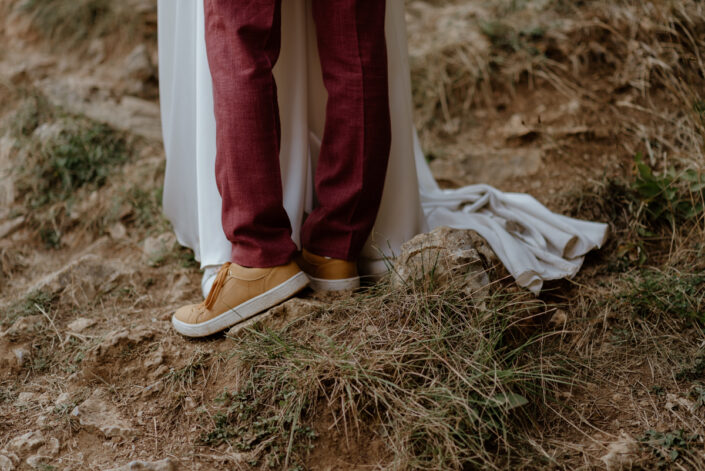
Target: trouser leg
[243, 42]
[355, 150]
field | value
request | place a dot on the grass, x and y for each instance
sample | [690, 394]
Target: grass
[31, 305]
[670, 446]
[673, 197]
[444, 383]
[84, 154]
[147, 206]
[60, 157]
[670, 293]
[183, 378]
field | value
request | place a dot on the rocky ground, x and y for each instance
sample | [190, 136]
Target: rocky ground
[595, 108]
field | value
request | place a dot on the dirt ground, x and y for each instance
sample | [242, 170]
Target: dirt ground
[552, 98]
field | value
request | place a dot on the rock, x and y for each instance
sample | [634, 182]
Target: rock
[43, 421]
[108, 360]
[115, 341]
[81, 279]
[621, 454]
[142, 117]
[81, 324]
[559, 318]
[85, 206]
[138, 65]
[117, 231]
[44, 454]
[156, 248]
[62, 399]
[21, 355]
[155, 359]
[9, 227]
[7, 183]
[279, 316]
[166, 464]
[451, 256]
[675, 403]
[515, 128]
[27, 443]
[25, 399]
[8, 461]
[189, 403]
[47, 131]
[96, 51]
[96, 414]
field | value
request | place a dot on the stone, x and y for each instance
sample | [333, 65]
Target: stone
[25, 399]
[621, 453]
[26, 443]
[82, 278]
[558, 319]
[154, 359]
[11, 226]
[155, 248]
[189, 403]
[279, 316]
[117, 339]
[451, 256]
[7, 183]
[117, 231]
[21, 355]
[166, 464]
[62, 399]
[675, 403]
[45, 453]
[6, 464]
[47, 131]
[81, 324]
[138, 65]
[96, 414]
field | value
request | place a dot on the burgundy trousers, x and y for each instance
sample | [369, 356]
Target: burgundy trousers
[243, 42]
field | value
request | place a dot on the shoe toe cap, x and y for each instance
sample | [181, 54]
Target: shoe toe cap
[192, 314]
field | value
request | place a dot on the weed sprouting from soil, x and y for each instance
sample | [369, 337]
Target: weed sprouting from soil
[670, 446]
[672, 198]
[61, 157]
[441, 379]
[32, 304]
[658, 293]
[83, 154]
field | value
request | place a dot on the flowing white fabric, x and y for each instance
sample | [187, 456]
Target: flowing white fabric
[532, 242]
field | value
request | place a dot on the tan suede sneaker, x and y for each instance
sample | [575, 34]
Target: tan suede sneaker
[239, 293]
[329, 274]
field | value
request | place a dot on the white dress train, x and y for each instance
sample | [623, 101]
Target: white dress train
[533, 243]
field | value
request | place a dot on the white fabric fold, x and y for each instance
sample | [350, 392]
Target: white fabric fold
[533, 243]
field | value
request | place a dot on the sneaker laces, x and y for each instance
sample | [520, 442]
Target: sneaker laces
[217, 286]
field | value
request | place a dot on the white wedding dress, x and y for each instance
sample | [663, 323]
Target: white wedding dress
[533, 243]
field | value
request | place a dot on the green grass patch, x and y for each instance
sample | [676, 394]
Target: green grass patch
[665, 293]
[668, 447]
[670, 197]
[33, 304]
[84, 154]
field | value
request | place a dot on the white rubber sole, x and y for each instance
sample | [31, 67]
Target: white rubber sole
[244, 311]
[346, 284]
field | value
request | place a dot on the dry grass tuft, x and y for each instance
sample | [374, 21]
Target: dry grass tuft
[444, 383]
